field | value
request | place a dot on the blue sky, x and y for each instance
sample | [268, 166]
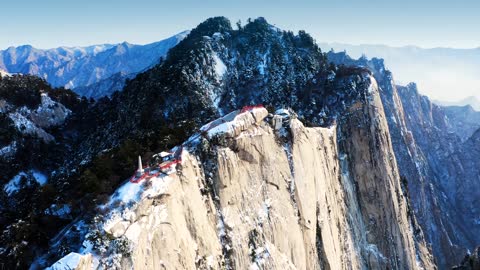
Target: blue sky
[427, 23]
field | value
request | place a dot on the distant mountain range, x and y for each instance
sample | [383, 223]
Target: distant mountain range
[445, 74]
[472, 101]
[93, 71]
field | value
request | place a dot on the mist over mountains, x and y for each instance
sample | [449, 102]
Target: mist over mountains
[446, 75]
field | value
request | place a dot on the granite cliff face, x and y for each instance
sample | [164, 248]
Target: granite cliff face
[267, 196]
[436, 156]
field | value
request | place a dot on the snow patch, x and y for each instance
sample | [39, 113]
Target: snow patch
[264, 212]
[373, 85]
[14, 184]
[22, 123]
[417, 261]
[122, 219]
[40, 177]
[282, 112]
[58, 210]
[217, 35]
[49, 113]
[68, 262]
[159, 186]
[262, 253]
[331, 131]
[220, 67]
[26, 126]
[476, 221]
[373, 249]
[262, 65]
[128, 192]
[394, 120]
[114, 219]
[211, 262]
[8, 150]
[220, 129]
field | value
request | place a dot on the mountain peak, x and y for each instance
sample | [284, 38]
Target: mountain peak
[92, 66]
[25, 47]
[126, 44]
[211, 26]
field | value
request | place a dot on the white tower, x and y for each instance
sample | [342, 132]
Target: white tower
[140, 168]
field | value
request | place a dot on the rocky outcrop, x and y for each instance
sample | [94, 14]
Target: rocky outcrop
[437, 167]
[373, 169]
[295, 198]
[48, 114]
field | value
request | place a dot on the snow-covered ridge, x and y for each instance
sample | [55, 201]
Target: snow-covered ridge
[73, 67]
[235, 122]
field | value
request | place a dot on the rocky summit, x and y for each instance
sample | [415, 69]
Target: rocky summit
[240, 147]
